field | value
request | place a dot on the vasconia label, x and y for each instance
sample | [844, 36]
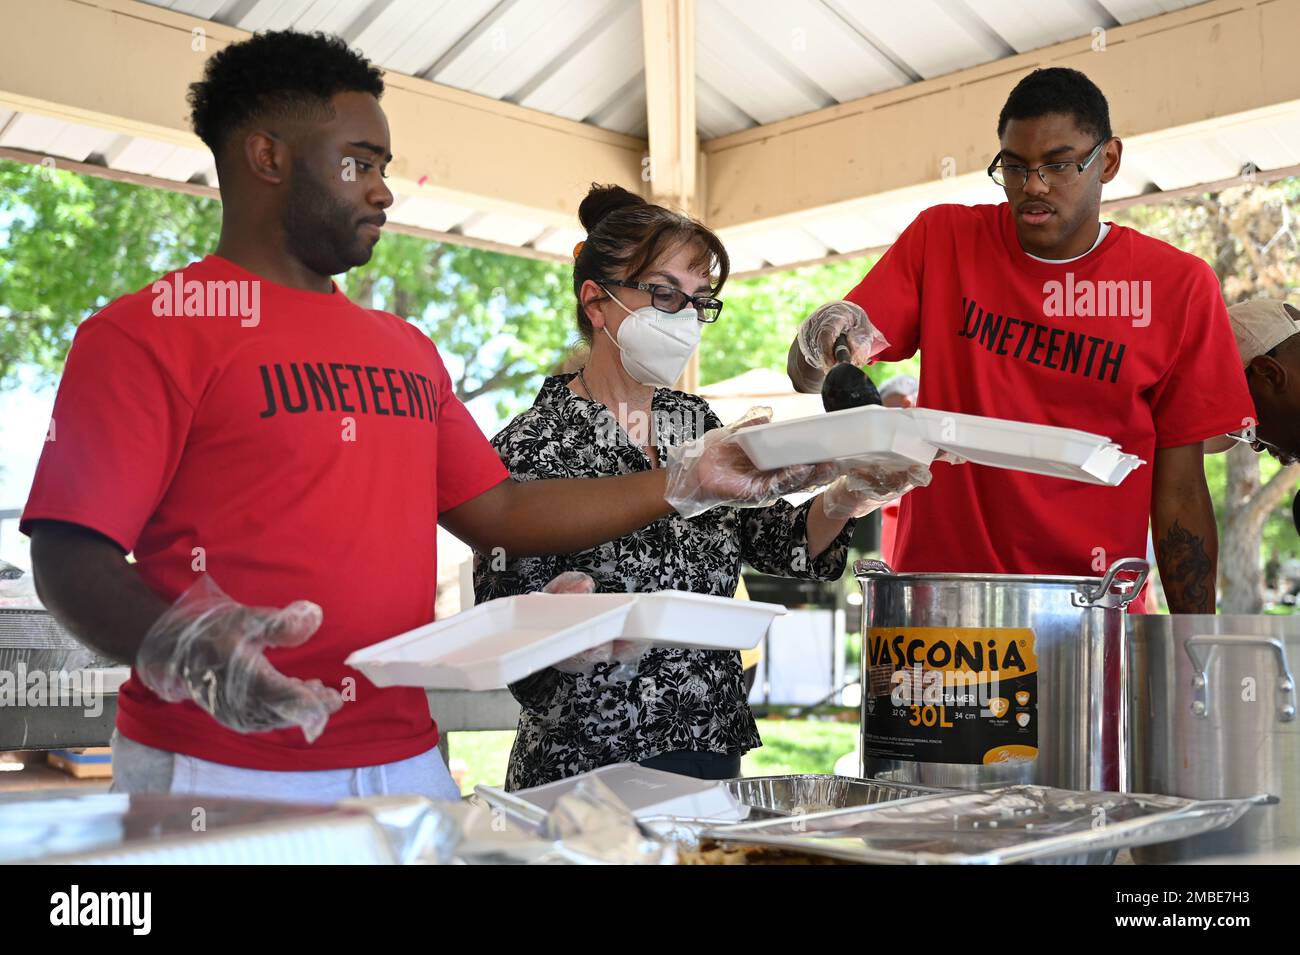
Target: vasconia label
[951, 694]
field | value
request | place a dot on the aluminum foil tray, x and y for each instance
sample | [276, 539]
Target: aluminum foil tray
[1008, 824]
[151, 829]
[35, 639]
[801, 794]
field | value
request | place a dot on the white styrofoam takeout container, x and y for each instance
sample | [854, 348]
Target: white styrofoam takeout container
[870, 435]
[679, 618]
[899, 437]
[494, 644]
[1032, 448]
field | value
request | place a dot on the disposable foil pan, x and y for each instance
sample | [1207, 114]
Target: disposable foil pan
[805, 793]
[147, 828]
[780, 797]
[35, 639]
[1009, 824]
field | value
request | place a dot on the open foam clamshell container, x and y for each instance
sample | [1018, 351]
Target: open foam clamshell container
[1032, 448]
[494, 644]
[870, 435]
[903, 436]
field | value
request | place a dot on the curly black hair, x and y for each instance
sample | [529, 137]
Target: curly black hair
[1058, 90]
[282, 73]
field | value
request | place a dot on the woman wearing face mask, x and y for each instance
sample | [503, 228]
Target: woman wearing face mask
[646, 281]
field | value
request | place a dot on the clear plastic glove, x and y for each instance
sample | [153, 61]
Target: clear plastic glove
[208, 649]
[623, 653]
[714, 470]
[818, 332]
[863, 489]
[571, 582]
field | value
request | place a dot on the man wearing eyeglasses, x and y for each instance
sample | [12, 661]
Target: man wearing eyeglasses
[1035, 310]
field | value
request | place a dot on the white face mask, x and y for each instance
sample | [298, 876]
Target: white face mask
[655, 346]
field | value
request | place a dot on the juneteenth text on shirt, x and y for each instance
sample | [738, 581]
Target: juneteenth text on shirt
[996, 332]
[313, 381]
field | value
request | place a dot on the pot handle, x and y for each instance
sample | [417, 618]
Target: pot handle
[1201, 681]
[864, 568]
[1112, 593]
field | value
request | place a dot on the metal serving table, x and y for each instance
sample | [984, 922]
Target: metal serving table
[55, 693]
[32, 641]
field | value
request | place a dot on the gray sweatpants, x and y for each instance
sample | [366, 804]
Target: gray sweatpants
[143, 769]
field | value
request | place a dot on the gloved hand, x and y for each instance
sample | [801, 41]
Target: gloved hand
[714, 470]
[208, 649]
[865, 488]
[818, 332]
[623, 652]
[571, 582]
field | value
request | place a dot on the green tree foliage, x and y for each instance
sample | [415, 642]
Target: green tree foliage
[763, 312]
[506, 320]
[74, 243]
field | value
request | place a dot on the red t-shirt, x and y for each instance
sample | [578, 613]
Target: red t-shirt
[889, 531]
[1000, 340]
[301, 449]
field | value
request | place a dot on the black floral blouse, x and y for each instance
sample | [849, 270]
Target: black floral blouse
[678, 699]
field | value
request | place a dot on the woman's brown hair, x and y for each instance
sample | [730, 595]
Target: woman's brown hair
[626, 235]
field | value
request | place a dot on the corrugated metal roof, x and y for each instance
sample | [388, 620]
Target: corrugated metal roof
[757, 61]
[80, 143]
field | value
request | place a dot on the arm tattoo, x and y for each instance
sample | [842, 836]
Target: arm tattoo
[1186, 569]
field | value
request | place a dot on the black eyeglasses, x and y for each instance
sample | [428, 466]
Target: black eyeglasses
[1259, 446]
[665, 298]
[1015, 176]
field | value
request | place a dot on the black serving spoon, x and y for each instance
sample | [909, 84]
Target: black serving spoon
[846, 385]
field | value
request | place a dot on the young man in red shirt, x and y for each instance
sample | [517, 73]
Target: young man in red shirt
[1035, 310]
[242, 419]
